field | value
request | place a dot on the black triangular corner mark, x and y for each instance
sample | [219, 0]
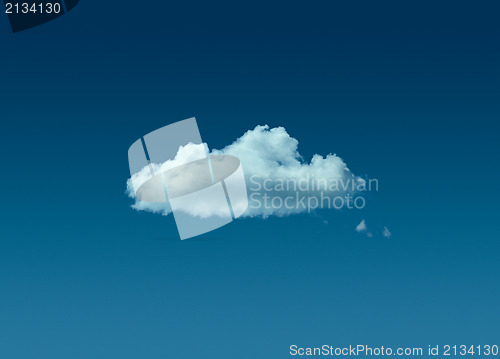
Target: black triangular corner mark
[70, 4]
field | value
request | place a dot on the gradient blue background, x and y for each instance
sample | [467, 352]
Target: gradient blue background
[404, 92]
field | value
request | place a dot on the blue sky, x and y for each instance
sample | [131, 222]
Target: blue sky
[405, 94]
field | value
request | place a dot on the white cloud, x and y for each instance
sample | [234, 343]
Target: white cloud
[386, 233]
[361, 227]
[273, 167]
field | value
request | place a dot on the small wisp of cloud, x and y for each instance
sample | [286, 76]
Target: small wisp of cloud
[361, 227]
